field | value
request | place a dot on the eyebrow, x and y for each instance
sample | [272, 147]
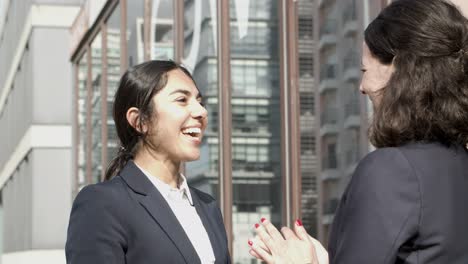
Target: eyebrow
[185, 92]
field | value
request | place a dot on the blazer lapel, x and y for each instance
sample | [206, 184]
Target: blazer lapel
[155, 204]
[210, 226]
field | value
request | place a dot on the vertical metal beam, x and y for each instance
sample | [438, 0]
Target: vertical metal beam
[293, 110]
[123, 37]
[224, 102]
[104, 89]
[147, 25]
[178, 29]
[290, 114]
[284, 87]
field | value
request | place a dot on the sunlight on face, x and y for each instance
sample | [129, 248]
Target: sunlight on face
[180, 119]
[375, 75]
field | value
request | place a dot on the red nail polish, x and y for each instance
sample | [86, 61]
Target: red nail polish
[298, 222]
[263, 219]
[250, 243]
[257, 225]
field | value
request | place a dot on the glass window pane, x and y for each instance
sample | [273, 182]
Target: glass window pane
[113, 76]
[96, 106]
[200, 58]
[306, 50]
[255, 79]
[82, 109]
[162, 28]
[135, 32]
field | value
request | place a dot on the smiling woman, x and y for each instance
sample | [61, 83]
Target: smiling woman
[145, 212]
[174, 131]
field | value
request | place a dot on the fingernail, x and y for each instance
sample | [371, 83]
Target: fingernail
[263, 219]
[250, 243]
[298, 222]
[257, 225]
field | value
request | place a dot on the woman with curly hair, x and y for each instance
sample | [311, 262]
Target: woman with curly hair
[407, 200]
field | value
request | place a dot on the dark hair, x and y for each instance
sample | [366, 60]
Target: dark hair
[137, 87]
[426, 98]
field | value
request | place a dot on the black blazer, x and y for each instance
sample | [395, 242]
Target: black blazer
[126, 220]
[405, 205]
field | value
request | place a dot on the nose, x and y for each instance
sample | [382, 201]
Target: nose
[361, 90]
[199, 111]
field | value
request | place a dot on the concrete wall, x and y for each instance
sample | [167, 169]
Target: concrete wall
[52, 76]
[51, 197]
[35, 135]
[37, 197]
[16, 15]
[17, 202]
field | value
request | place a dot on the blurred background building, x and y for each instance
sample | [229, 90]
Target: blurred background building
[36, 127]
[263, 164]
[342, 132]
[280, 80]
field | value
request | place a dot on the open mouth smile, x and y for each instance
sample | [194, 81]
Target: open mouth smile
[193, 133]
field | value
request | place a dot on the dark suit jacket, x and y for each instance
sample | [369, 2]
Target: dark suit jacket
[405, 205]
[126, 220]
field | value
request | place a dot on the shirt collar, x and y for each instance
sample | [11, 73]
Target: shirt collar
[184, 186]
[165, 189]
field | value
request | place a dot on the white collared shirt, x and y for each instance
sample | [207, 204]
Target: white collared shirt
[181, 203]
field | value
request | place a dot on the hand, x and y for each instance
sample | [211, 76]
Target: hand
[296, 247]
[322, 253]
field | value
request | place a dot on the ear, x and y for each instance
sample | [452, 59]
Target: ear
[133, 118]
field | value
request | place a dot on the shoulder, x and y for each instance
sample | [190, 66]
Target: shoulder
[101, 195]
[98, 223]
[414, 156]
[103, 189]
[100, 206]
[383, 168]
[433, 152]
[382, 159]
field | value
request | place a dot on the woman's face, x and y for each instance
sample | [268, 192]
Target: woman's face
[375, 75]
[180, 119]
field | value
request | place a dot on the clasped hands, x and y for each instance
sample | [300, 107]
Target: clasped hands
[286, 247]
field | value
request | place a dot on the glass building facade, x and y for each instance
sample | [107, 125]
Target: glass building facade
[277, 76]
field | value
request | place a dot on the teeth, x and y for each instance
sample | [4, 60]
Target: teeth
[192, 130]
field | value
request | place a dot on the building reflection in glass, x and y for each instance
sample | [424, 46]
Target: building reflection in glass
[256, 119]
[113, 77]
[96, 107]
[162, 28]
[82, 106]
[201, 59]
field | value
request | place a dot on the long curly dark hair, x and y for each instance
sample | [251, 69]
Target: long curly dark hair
[426, 98]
